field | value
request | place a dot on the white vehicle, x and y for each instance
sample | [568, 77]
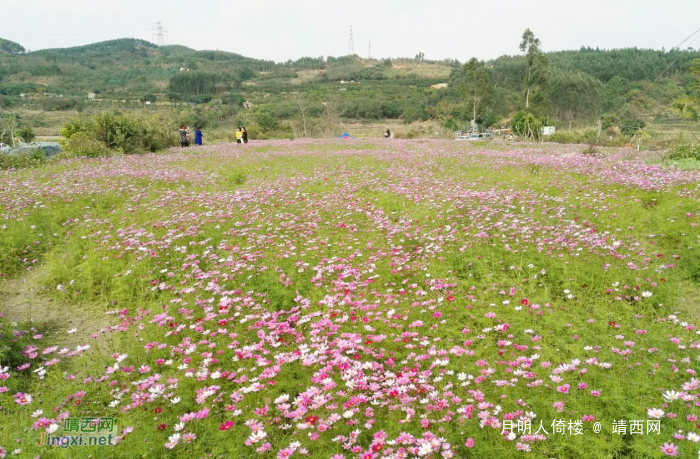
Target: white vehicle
[4, 148]
[462, 137]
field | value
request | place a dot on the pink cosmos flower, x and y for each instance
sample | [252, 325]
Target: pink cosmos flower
[669, 449]
[469, 443]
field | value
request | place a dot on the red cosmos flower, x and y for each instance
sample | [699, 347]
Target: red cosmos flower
[524, 301]
[659, 255]
[162, 426]
[226, 425]
[377, 447]
[311, 419]
[158, 410]
[612, 323]
[222, 322]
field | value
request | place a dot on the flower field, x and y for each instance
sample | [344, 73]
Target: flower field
[322, 299]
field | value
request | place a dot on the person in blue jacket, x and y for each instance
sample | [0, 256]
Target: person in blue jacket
[198, 136]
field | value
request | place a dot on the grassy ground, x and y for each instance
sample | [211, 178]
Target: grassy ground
[353, 299]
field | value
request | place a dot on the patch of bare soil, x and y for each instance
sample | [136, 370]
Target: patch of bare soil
[25, 300]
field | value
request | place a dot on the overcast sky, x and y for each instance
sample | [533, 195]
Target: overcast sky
[284, 29]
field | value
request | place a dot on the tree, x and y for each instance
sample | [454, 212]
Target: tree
[149, 98]
[9, 125]
[10, 47]
[26, 134]
[689, 105]
[420, 57]
[525, 124]
[443, 112]
[303, 110]
[537, 64]
[332, 113]
[476, 88]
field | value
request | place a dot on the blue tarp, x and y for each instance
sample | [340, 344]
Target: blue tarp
[346, 136]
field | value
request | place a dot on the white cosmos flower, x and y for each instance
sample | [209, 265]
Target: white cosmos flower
[655, 413]
[671, 395]
[52, 428]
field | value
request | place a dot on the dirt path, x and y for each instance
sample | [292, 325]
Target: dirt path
[24, 299]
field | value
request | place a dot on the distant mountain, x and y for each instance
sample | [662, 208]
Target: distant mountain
[581, 84]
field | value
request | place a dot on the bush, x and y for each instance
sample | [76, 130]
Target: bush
[82, 145]
[681, 151]
[26, 134]
[526, 125]
[123, 133]
[23, 160]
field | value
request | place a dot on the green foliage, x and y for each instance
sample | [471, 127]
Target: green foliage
[475, 86]
[15, 89]
[682, 151]
[80, 144]
[149, 98]
[124, 133]
[23, 160]
[609, 120]
[26, 134]
[246, 74]
[233, 99]
[537, 74]
[630, 126]
[194, 83]
[525, 124]
[10, 47]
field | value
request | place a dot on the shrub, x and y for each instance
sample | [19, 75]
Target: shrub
[680, 151]
[82, 145]
[526, 125]
[26, 134]
[123, 133]
[23, 160]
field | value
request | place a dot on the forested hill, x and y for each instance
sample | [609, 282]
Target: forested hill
[579, 84]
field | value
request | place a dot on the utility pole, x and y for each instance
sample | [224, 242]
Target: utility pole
[350, 46]
[369, 53]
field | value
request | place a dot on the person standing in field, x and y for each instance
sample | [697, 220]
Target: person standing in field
[387, 134]
[239, 135]
[245, 135]
[198, 136]
[183, 136]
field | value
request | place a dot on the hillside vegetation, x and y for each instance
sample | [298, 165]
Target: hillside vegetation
[308, 96]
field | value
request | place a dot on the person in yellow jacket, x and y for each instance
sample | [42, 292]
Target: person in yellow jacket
[239, 135]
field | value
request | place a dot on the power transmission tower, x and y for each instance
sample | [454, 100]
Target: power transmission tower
[160, 34]
[350, 47]
[369, 52]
